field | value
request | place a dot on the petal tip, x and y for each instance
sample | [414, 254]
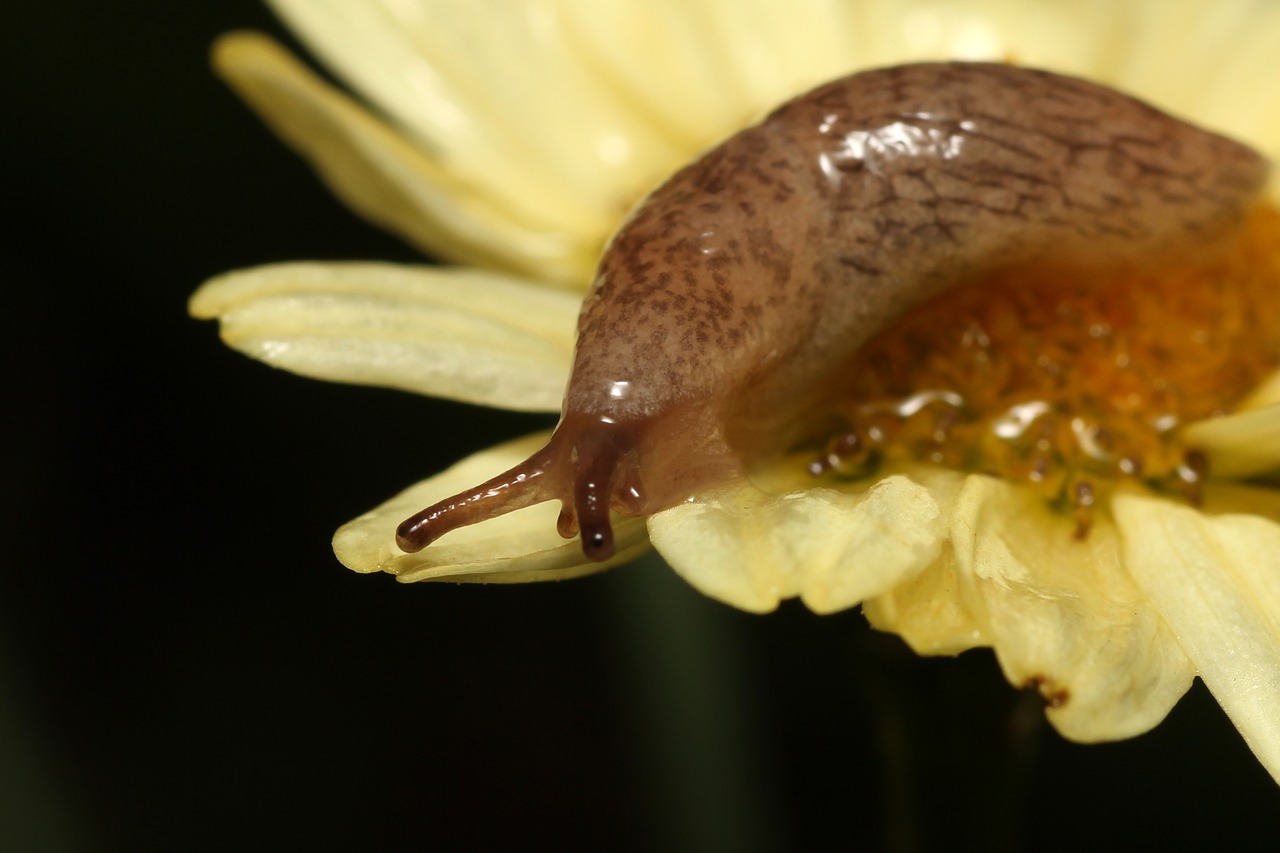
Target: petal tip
[229, 49]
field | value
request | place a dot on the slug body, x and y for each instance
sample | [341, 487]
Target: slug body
[727, 304]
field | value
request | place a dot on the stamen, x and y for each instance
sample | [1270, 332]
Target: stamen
[1082, 501]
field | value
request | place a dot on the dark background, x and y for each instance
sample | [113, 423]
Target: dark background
[184, 666]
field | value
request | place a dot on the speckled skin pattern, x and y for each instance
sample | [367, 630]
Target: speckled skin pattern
[798, 239]
[733, 294]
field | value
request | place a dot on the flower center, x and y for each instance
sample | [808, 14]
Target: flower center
[1070, 381]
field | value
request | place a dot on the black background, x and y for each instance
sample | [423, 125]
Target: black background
[184, 666]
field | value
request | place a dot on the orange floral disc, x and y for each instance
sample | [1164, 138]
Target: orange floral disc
[1070, 381]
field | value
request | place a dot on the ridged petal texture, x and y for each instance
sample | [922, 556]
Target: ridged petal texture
[465, 334]
[515, 133]
[1216, 582]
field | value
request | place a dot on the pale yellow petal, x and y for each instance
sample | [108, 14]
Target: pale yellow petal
[529, 126]
[665, 59]
[1223, 497]
[1244, 444]
[1063, 615]
[1266, 394]
[752, 549]
[1216, 582]
[767, 52]
[410, 191]
[518, 547]
[1201, 59]
[703, 70]
[1209, 62]
[726, 61]
[462, 334]
[502, 92]
[929, 611]
[1067, 36]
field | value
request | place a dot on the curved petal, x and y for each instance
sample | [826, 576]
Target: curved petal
[723, 63]
[531, 126]
[1065, 35]
[929, 611]
[1063, 615]
[726, 61]
[410, 191]
[1245, 444]
[515, 548]
[751, 549]
[462, 334]
[1216, 581]
[1227, 498]
[1156, 49]
[1266, 394]
[501, 92]
[723, 60]
[1202, 60]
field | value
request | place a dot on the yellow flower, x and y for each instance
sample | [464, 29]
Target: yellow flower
[511, 137]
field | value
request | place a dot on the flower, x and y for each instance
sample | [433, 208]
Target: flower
[513, 136]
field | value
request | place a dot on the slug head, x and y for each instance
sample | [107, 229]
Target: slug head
[593, 464]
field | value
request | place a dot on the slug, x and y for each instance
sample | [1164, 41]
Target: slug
[728, 302]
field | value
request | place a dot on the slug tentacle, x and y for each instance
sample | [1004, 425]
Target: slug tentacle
[589, 465]
[731, 302]
[519, 487]
[595, 472]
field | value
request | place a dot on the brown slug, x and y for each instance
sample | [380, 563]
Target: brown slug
[728, 303]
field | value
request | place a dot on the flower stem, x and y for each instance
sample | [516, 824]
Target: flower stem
[958, 746]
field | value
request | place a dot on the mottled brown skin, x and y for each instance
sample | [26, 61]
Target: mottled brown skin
[726, 305]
